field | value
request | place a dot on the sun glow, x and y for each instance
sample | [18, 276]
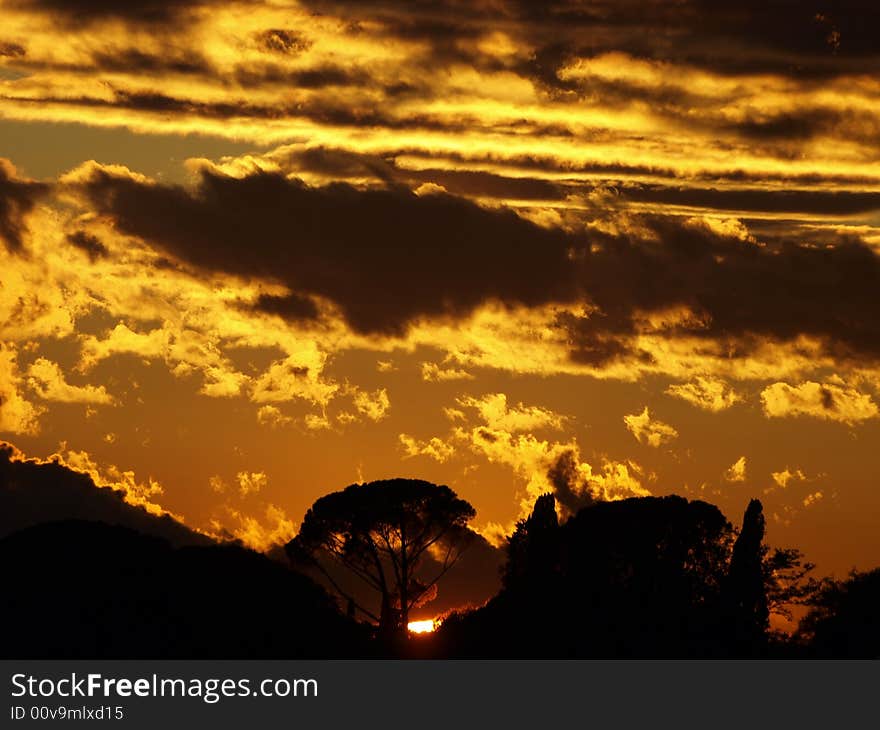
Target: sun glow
[422, 627]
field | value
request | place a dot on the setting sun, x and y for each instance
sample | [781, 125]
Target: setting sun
[422, 627]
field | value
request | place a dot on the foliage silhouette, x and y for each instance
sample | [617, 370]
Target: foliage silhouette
[533, 548]
[642, 577]
[787, 580]
[381, 532]
[745, 590]
[844, 619]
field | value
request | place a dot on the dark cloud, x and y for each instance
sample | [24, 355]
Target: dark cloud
[480, 184]
[597, 339]
[319, 77]
[88, 243]
[17, 199]
[175, 60]
[383, 256]
[779, 134]
[737, 290]
[487, 435]
[776, 232]
[168, 59]
[807, 37]
[317, 110]
[134, 60]
[136, 11]
[814, 202]
[386, 256]
[291, 306]
[569, 492]
[781, 179]
[783, 37]
[616, 173]
[792, 128]
[32, 493]
[727, 36]
[12, 50]
[343, 164]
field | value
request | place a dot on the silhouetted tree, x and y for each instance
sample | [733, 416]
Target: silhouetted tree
[843, 621]
[380, 532]
[648, 573]
[637, 577]
[533, 548]
[787, 580]
[745, 590]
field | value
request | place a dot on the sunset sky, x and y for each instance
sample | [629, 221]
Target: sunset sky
[252, 252]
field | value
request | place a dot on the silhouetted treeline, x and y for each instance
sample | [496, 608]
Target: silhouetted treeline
[844, 620]
[644, 577]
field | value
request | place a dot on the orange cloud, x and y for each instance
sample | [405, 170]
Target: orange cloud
[737, 471]
[275, 528]
[496, 413]
[272, 416]
[251, 482]
[434, 448]
[17, 414]
[829, 401]
[649, 430]
[706, 393]
[782, 478]
[47, 380]
[558, 467]
[374, 406]
[434, 373]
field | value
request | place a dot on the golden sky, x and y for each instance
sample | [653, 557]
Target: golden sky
[255, 251]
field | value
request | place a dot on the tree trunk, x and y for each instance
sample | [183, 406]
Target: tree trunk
[386, 618]
[404, 584]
